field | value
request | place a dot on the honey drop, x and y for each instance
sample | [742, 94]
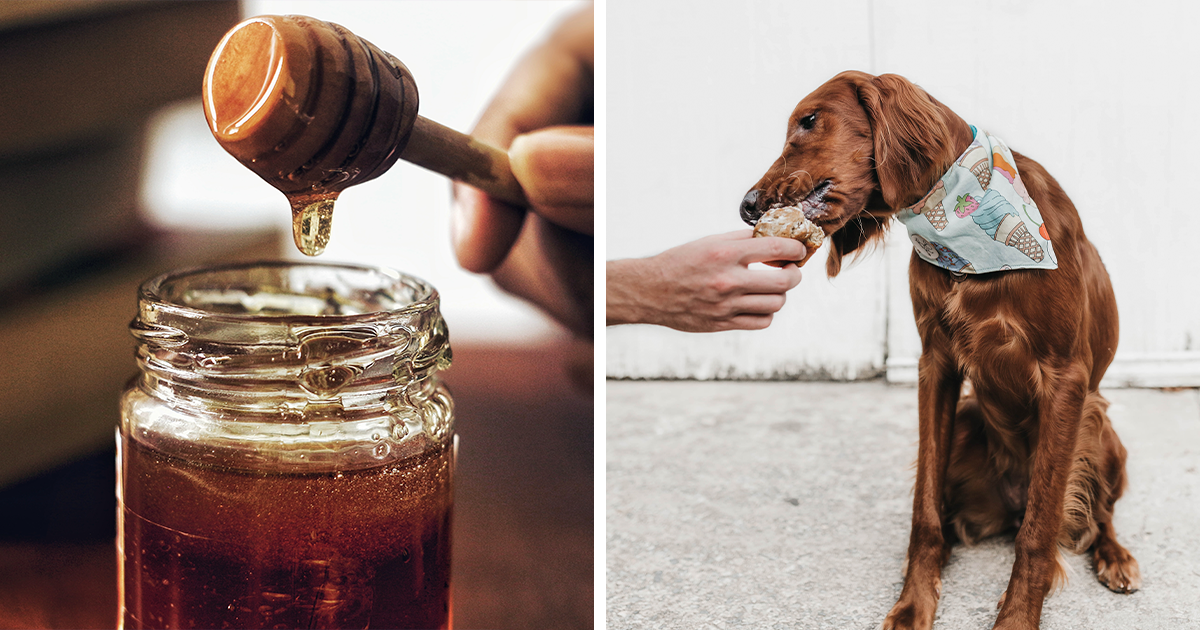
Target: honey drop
[312, 218]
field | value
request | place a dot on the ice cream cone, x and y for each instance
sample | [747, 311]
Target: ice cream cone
[1024, 241]
[937, 217]
[1012, 232]
[983, 172]
[931, 206]
[978, 160]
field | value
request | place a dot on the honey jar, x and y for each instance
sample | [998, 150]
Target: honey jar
[286, 451]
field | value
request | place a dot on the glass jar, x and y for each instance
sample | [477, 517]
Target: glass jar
[286, 451]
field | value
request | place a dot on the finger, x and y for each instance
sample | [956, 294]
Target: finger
[551, 267]
[555, 167]
[758, 303]
[735, 235]
[482, 229]
[771, 248]
[769, 280]
[748, 322]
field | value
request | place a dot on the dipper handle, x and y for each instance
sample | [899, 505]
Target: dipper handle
[463, 158]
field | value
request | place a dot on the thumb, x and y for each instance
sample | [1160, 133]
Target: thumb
[555, 166]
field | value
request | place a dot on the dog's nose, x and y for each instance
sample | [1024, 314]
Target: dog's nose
[750, 211]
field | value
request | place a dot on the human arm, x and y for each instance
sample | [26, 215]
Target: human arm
[705, 285]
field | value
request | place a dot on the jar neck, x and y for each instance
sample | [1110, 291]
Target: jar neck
[294, 341]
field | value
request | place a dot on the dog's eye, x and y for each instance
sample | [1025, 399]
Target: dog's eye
[808, 122]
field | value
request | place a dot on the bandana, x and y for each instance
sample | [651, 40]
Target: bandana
[979, 218]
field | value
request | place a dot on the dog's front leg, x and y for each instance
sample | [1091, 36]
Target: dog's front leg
[937, 397]
[1037, 556]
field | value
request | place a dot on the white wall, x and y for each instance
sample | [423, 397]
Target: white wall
[1104, 95]
[699, 95]
[459, 53]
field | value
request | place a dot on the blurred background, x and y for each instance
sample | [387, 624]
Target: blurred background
[1096, 93]
[109, 176]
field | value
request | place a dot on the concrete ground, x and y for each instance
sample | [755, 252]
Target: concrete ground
[787, 506]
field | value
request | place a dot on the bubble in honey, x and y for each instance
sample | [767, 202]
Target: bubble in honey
[312, 217]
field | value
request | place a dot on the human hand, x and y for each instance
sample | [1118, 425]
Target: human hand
[705, 285]
[545, 255]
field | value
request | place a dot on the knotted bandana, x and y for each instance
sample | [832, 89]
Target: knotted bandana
[979, 218]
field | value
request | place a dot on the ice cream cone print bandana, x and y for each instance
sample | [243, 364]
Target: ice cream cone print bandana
[979, 218]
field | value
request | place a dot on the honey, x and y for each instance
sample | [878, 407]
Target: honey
[213, 547]
[312, 219]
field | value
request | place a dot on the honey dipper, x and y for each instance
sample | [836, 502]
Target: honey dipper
[313, 109]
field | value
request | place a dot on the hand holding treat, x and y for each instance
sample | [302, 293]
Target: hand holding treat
[790, 222]
[706, 285]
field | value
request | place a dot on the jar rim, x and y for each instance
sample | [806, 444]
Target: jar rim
[283, 334]
[154, 293]
[242, 358]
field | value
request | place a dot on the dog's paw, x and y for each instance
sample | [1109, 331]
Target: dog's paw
[1116, 568]
[913, 613]
[907, 617]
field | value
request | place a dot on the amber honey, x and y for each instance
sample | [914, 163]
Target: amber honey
[211, 547]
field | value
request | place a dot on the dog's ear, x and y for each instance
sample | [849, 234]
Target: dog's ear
[867, 229]
[911, 137]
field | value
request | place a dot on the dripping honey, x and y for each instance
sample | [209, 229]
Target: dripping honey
[312, 219]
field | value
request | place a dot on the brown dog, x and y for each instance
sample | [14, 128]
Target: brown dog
[1031, 447]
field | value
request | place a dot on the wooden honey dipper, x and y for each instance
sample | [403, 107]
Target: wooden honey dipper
[313, 109]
